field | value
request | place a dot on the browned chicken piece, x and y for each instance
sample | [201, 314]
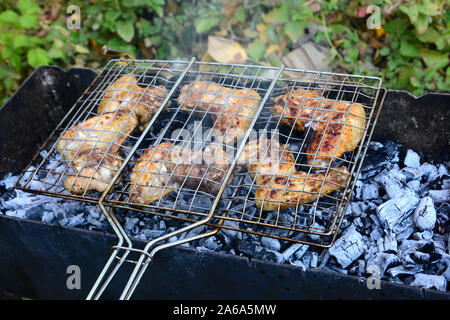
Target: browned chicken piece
[332, 128]
[91, 147]
[232, 110]
[166, 168]
[279, 185]
[150, 176]
[126, 95]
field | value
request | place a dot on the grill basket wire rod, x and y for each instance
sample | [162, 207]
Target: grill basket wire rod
[141, 267]
[331, 158]
[353, 162]
[66, 116]
[349, 191]
[112, 219]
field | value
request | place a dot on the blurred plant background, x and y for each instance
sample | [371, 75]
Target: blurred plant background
[409, 49]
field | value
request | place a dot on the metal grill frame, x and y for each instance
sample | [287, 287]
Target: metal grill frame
[124, 247]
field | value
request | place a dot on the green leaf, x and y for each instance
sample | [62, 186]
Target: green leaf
[56, 53]
[294, 29]
[428, 8]
[421, 23]
[256, 49]
[8, 18]
[275, 61]
[81, 49]
[278, 15]
[203, 25]
[431, 35]
[396, 26]
[434, 59]
[37, 57]
[16, 61]
[385, 51]
[412, 12]
[125, 30]
[240, 15]
[21, 40]
[409, 50]
[28, 21]
[28, 6]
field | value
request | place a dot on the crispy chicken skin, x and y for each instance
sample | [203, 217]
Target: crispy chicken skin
[91, 147]
[126, 95]
[232, 110]
[150, 176]
[278, 184]
[330, 131]
[165, 168]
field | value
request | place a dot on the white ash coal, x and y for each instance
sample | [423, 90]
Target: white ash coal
[397, 220]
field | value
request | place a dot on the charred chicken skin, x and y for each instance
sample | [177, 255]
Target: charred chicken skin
[232, 110]
[332, 128]
[278, 184]
[165, 168]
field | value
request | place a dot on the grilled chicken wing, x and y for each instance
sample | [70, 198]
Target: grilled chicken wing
[126, 95]
[333, 128]
[91, 149]
[232, 110]
[278, 184]
[150, 176]
[166, 168]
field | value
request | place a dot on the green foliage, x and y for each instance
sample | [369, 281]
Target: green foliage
[30, 36]
[411, 50]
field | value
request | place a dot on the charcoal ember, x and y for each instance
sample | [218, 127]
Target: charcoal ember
[48, 217]
[414, 185]
[75, 220]
[298, 249]
[94, 222]
[406, 233]
[369, 191]
[383, 261]
[395, 214]
[430, 249]
[440, 196]
[298, 263]
[425, 235]
[348, 247]
[130, 223]
[425, 214]
[394, 187]
[153, 234]
[35, 212]
[401, 270]
[429, 281]
[211, 243]
[412, 159]
[314, 259]
[254, 250]
[232, 224]
[377, 159]
[271, 243]
[390, 242]
[446, 273]
[430, 171]
[443, 218]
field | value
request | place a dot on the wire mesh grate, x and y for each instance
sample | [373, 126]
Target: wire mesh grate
[168, 145]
